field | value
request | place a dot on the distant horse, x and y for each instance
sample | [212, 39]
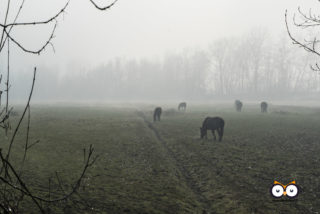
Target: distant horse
[157, 114]
[212, 123]
[182, 106]
[238, 104]
[264, 107]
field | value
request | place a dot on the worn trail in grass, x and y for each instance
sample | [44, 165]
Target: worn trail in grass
[185, 174]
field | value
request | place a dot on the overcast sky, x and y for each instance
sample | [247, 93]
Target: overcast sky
[143, 28]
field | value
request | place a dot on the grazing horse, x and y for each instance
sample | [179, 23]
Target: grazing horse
[212, 123]
[264, 107]
[157, 114]
[182, 106]
[238, 104]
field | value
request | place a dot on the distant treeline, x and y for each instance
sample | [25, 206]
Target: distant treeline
[253, 65]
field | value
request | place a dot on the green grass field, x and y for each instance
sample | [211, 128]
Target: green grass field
[164, 167]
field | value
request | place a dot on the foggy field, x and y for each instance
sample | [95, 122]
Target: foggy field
[83, 83]
[164, 167]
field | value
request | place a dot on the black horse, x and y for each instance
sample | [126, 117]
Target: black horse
[238, 104]
[157, 114]
[212, 123]
[182, 106]
[264, 107]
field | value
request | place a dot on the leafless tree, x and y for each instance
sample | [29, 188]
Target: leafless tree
[305, 21]
[14, 190]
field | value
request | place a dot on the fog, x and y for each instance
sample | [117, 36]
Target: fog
[168, 50]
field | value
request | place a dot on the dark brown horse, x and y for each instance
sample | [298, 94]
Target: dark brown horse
[182, 106]
[264, 107]
[212, 123]
[238, 104]
[157, 114]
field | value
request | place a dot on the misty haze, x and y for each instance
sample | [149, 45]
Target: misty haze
[114, 106]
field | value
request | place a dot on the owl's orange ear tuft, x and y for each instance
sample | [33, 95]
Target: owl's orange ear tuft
[292, 182]
[276, 182]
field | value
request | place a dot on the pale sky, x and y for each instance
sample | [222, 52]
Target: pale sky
[143, 28]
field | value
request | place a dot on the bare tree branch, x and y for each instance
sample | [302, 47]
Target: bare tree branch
[103, 8]
[37, 22]
[5, 21]
[308, 20]
[89, 161]
[22, 116]
[34, 51]
[14, 21]
[26, 189]
[295, 41]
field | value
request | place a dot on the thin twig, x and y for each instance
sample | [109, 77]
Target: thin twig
[22, 116]
[103, 8]
[5, 22]
[48, 42]
[296, 41]
[37, 22]
[14, 21]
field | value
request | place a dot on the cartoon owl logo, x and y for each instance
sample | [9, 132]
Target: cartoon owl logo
[291, 190]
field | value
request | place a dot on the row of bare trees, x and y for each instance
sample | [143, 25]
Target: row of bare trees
[252, 65]
[17, 195]
[255, 65]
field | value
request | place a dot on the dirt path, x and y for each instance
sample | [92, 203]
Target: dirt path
[191, 183]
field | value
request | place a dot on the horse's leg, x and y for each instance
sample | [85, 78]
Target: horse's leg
[214, 136]
[219, 130]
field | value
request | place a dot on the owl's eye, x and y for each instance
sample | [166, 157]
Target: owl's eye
[277, 191]
[292, 191]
